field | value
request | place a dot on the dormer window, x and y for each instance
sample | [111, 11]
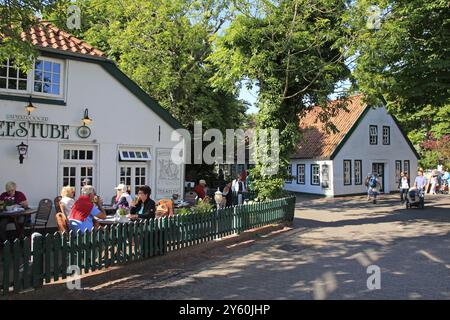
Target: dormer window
[46, 78]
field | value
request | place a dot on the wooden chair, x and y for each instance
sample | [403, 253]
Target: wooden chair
[169, 204]
[42, 214]
[57, 203]
[62, 222]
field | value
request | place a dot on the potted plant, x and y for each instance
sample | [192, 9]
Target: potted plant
[121, 213]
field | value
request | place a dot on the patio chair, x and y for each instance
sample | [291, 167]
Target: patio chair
[57, 203]
[42, 214]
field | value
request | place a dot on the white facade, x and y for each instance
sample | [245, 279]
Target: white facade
[121, 122]
[357, 151]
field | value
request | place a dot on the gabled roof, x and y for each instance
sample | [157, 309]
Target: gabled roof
[317, 143]
[46, 35]
[53, 42]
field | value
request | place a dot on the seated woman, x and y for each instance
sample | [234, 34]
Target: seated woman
[12, 196]
[122, 197]
[67, 199]
[145, 207]
[84, 210]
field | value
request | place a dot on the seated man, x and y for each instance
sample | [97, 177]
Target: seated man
[10, 197]
[83, 211]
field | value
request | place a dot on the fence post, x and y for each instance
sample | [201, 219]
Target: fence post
[37, 258]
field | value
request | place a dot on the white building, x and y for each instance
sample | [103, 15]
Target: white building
[337, 163]
[127, 141]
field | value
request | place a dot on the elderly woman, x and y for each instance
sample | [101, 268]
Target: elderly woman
[145, 207]
[84, 210]
[67, 199]
[12, 196]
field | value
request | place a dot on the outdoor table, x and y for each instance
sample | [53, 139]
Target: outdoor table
[15, 214]
[109, 220]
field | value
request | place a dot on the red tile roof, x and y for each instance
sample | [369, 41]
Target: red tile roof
[316, 142]
[46, 35]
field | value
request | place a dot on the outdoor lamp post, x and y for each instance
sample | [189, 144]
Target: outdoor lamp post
[22, 149]
[86, 120]
[30, 107]
[218, 196]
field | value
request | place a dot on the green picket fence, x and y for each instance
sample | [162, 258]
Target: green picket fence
[29, 264]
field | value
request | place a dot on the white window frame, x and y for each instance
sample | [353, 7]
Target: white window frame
[30, 81]
[373, 135]
[126, 151]
[358, 172]
[7, 77]
[299, 176]
[78, 164]
[315, 175]
[133, 166]
[386, 137]
[347, 172]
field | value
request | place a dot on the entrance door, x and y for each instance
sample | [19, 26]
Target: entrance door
[378, 168]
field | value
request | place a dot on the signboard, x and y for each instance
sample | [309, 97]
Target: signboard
[168, 175]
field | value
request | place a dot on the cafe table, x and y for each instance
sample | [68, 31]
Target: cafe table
[14, 214]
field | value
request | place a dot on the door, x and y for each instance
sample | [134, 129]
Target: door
[77, 163]
[378, 168]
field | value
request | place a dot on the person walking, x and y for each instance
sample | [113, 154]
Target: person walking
[373, 187]
[420, 182]
[403, 186]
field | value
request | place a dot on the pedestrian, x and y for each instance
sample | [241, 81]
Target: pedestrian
[403, 186]
[434, 182]
[200, 189]
[373, 186]
[420, 182]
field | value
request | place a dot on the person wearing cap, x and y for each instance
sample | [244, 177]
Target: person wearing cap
[200, 189]
[420, 181]
[122, 197]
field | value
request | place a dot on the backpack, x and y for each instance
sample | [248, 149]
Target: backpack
[373, 182]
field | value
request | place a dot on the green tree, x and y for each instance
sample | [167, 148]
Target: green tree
[407, 62]
[294, 51]
[163, 45]
[16, 17]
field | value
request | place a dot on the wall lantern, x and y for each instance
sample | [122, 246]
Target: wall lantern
[22, 148]
[30, 107]
[86, 120]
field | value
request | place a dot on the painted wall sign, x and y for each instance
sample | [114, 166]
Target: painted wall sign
[33, 130]
[168, 175]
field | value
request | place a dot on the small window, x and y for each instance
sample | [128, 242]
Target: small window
[386, 135]
[134, 155]
[315, 174]
[47, 77]
[373, 135]
[358, 172]
[406, 167]
[300, 174]
[347, 172]
[12, 78]
[289, 172]
[398, 170]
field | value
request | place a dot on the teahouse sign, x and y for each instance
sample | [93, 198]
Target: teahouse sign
[22, 126]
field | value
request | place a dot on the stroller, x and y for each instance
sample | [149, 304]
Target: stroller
[444, 187]
[415, 198]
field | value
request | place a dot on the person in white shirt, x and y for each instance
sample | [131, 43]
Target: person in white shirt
[238, 185]
[403, 185]
[123, 198]
[67, 199]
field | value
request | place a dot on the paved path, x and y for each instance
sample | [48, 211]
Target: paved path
[324, 256]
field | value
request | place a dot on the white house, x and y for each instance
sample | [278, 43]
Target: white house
[336, 163]
[128, 139]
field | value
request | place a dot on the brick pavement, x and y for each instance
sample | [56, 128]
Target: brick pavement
[325, 256]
